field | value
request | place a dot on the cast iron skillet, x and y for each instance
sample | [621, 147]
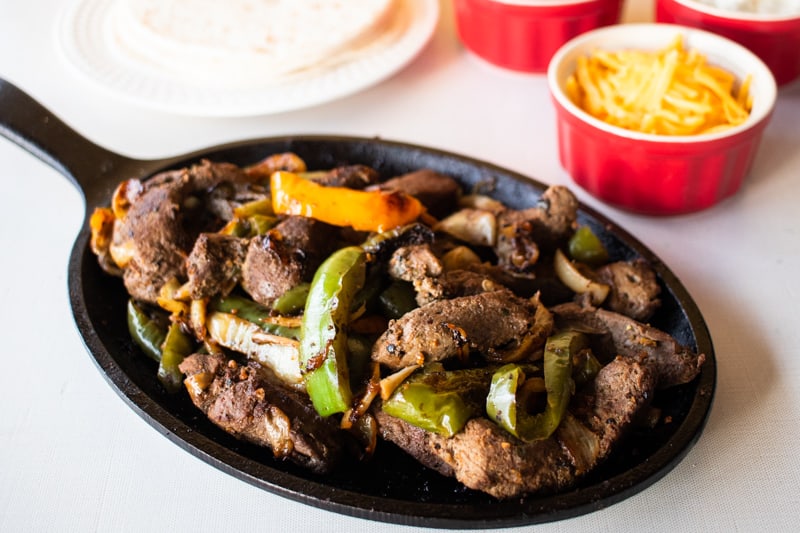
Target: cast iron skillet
[391, 487]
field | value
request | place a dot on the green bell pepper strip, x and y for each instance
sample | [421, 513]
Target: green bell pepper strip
[177, 346]
[292, 301]
[586, 247]
[262, 206]
[260, 224]
[254, 312]
[444, 412]
[438, 400]
[501, 402]
[323, 340]
[147, 333]
[250, 227]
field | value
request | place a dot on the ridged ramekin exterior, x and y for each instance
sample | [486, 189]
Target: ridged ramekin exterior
[659, 174]
[775, 41]
[654, 178]
[525, 37]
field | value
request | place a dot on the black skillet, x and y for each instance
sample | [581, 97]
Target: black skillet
[391, 487]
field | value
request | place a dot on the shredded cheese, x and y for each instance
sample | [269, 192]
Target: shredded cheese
[672, 91]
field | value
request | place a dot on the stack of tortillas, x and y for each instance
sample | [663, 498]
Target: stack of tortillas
[239, 43]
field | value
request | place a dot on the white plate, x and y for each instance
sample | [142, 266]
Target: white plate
[83, 41]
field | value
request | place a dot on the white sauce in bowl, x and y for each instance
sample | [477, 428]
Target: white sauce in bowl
[761, 7]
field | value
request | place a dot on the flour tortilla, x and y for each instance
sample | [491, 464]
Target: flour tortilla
[246, 43]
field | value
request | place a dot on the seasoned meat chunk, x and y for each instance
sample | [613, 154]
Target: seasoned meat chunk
[410, 263]
[618, 334]
[634, 288]
[522, 234]
[350, 176]
[152, 233]
[497, 325]
[607, 407]
[271, 267]
[418, 265]
[437, 192]
[249, 403]
[162, 223]
[422, 267]
[453, 284]
[285, 256]
[215, 264]
[485, 457]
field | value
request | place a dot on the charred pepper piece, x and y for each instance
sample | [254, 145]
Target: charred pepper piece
[177, 346]
[323, 344]
[292, 301]
[341, 206]
[501, 402]
[438, 400]
[586, 247]
[147, 333]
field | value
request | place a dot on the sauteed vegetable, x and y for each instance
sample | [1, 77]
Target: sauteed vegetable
[320, 312]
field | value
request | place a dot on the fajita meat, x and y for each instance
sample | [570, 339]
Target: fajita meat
[615, 333]
[456, 327]
[479, 305]
[521, 235]
[165, 217]
[285, 256]
[437, 192]
[484, 457]
[246, 401]
[214, 265]
[634, 288]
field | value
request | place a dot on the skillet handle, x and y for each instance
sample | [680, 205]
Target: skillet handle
[90, 167]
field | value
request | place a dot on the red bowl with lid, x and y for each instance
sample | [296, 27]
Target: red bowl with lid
[775, 38]
[523, 35]
[651, 173]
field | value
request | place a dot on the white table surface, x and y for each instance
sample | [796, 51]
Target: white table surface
[74, 457]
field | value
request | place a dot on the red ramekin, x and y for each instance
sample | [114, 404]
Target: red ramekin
[523, 35]
[658, 174]
[775, 39]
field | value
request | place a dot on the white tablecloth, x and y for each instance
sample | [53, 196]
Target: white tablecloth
[75, 457]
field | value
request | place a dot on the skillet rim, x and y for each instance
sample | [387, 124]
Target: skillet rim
[526, 511]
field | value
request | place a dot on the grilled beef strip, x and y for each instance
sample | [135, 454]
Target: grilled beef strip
[252, 404]
[415, 262]
[214, 265]
[421, 266]
[350, 176]
[437, 192]
[163, 220]
[285, 256]
[456, 327]
[523, 233]
[634, 288]
[621, 335]
[485, 457]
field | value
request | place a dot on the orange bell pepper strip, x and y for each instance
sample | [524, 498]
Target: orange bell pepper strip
[340, 206]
